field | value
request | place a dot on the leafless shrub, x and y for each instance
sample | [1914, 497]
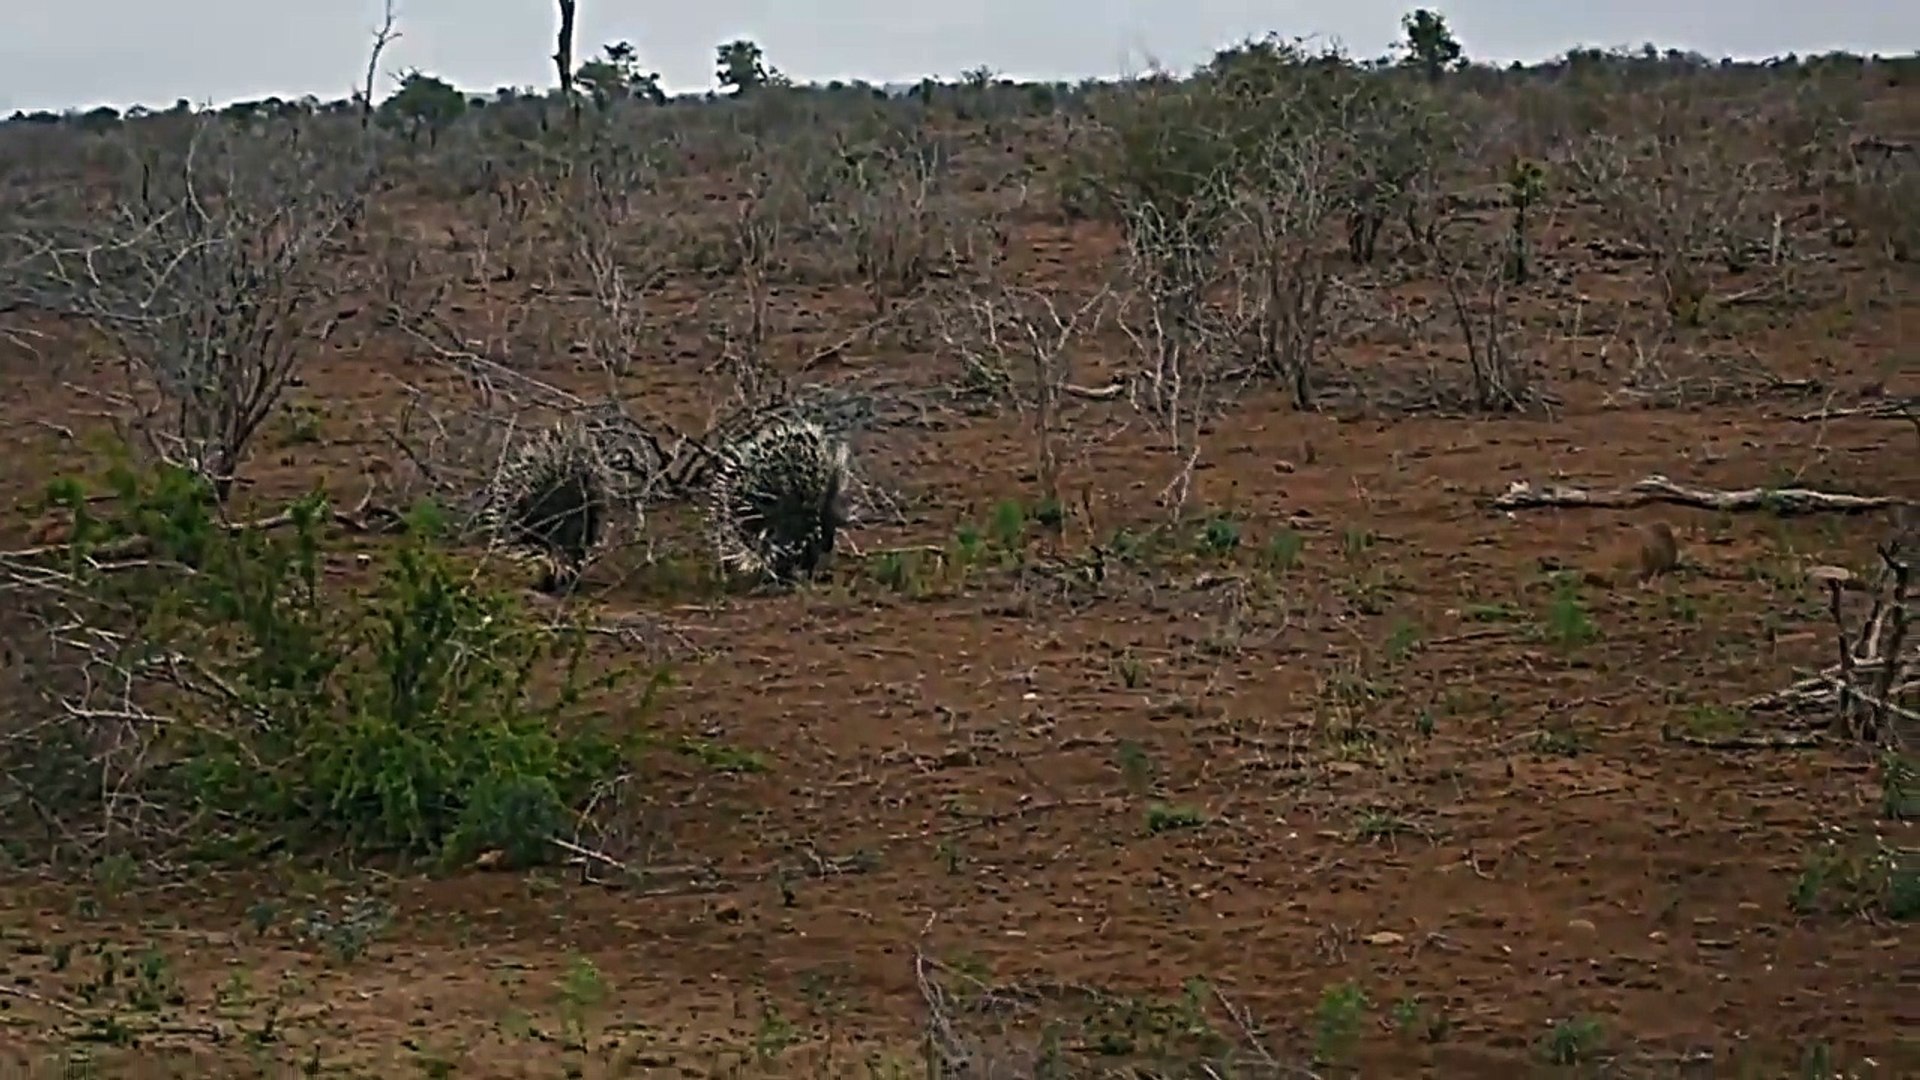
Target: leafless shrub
[1394, 136]
[889, 217]
[1810, 128]
[1182, 348]
[1681, 192]
[1281, 274]
[213, 275]
[759, 239]
[618, 241]
[1476, 273]
[1880, 194]
[1017, 342]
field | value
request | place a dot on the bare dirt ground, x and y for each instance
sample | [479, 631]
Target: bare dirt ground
[1347, 779]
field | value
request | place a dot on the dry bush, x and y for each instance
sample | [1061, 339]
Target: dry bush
[1684, 191]
[1476, 274]
[1880, 196]
[1018, 342]
[212, 276]
[890, 216]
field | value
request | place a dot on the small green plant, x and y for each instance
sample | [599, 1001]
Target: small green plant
[775, 1035]
[1526, 186]
[1284, 549]
[1560, 738]
[348, 931]
[114, 874]
[1899, 786]
[1169, 817]
[1132, 671]
[1862, 878]
[1816, 1062]
[1051, 515]
[1136, 768]
[581, 989]
[1220, 536]
[968, 547]
[1409, 1017]
[1009, 526]
[1402, 637]
[722, 758]
[1378, 824]
[1710, 721]
[1337, 1021]
[1568, 625]
[1492, 613]
[301, 425]
[903, 572]
[1573, 1042]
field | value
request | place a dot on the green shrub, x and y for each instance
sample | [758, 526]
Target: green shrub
[422, 714]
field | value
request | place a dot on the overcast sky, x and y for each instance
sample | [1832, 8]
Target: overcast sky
[123, 52]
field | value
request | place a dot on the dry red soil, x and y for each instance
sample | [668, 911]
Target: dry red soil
[1069, 799]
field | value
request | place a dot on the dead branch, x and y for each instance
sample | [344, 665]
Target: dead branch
[383, 37]
[1868, 688]
[137, 547]
[1528, 495]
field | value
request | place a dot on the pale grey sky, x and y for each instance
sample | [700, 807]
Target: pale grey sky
[123, 52]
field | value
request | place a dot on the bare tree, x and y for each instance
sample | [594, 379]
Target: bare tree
[1180, 344]
[618, 243]
[1475, 272]
[887, 216]
[383, 37]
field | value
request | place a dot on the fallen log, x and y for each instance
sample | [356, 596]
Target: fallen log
[1527, 495]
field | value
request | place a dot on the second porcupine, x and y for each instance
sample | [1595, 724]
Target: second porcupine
[775, 504]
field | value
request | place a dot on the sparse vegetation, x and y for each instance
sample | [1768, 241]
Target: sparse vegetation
[1139, 578]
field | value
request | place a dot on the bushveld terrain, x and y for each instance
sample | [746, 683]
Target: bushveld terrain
[1252, 652]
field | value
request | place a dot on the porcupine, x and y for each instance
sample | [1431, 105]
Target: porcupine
[551, 502]
[775, 500]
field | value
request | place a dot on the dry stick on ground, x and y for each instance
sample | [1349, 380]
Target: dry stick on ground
[1527, 495]
[1900, 409]
[135, 547]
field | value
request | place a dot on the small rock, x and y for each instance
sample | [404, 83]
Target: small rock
[1585, 926]
[1384, 937]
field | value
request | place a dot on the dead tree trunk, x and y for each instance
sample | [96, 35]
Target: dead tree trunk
[563, 54]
